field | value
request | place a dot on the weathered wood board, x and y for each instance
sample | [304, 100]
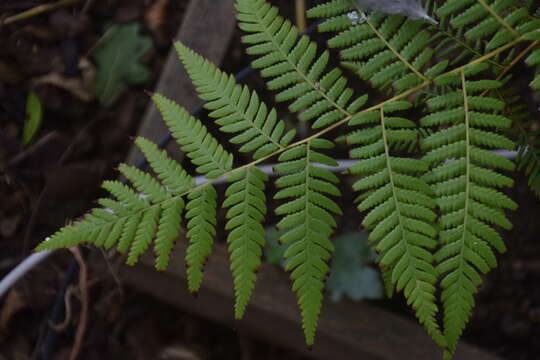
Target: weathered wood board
[346, 330]
[207, 28]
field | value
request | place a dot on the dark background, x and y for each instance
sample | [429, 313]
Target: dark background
[57, 178]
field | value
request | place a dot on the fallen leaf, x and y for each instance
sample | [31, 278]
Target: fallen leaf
[350, 273]
[80, 87]
[34, 117]
[155, 16]
[118, 60]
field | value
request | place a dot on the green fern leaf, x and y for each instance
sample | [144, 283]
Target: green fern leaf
[168, 231]
[201, 147]
[297, 72]
[201, 215]
[135, 217]
[247, 207]
[144, 234]
[384, 51]
[237, 110]
[331, 8]
[400, 211]
[309, 219]
[431, 196]
[145, 184]
[493, 22]
[468, 200]
[168, 171]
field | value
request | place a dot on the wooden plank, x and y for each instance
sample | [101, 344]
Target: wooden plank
[207, 28]
[346, 330]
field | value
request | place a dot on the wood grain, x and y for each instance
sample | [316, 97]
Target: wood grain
[348, 330]
[207, 28]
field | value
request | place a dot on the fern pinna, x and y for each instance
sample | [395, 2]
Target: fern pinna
[427, 174]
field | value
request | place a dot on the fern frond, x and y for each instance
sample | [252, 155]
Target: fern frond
[451, 44]
[131, 220]
[145, 184]
[299, 74]
[385, 51]
[201, 215]
[236, 109]
[144, 234]
[309, 221]
[171, 174]
[467, 194]
[151, 212]
[247, 202]
[199, 145]
[432, 196]
[400, 210]
[168, 231]
[494, 22]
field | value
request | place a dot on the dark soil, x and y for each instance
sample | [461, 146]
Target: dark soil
[57, 177]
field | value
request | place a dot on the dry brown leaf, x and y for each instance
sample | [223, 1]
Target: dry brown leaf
[155, 15]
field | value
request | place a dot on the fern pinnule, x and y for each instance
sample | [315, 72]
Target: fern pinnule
[431, 196]
[236, 109]
[201, 216]
[492, 22]
[144, 234]
[171, 174]
[295, 70]
[200, 146]
[331, 8]
[400, 209]
[246, 201]
[168, 231]
[308, 217]
[145, 184]
[385, 51]
[468, 198]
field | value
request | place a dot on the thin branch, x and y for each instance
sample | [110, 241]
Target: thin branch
[38, 10]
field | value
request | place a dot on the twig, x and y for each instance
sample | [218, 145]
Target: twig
[37, 11]
[83, 288]
[67, 305]
[301, 14]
